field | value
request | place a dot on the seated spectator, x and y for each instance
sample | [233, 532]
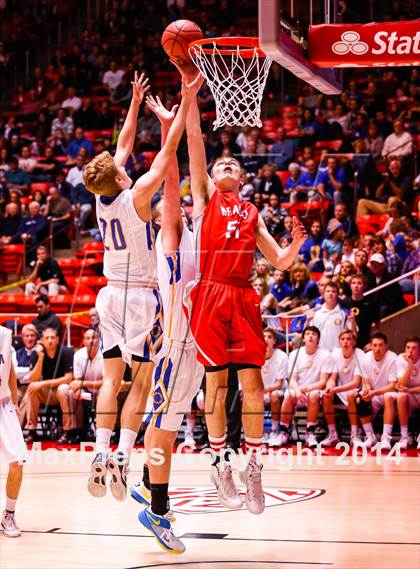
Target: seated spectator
[331, 319]
[46, 168]
[373, 102]
[250, 160]
[389, 299]
[46, 276]
[88, 369]
[412, 262]
[83, 201]
[348, 253]
[86, 115]
[364, 309]
[63, 186]
[359, 130]
[21, 363]
[332, 181]
[310, 252]
[75, 174]
[308, 128]
[342, 278]
[271, 214]
[58, 210]
[58, 143]
[51, 366]
[282, 152]
[64, 123]
[301, 283]
[395, 186]
[341, 117]
[332, 244]
[309, 370]
[361, 258]
[393, 260]
[341, 214]
[77, 143]
[379, 380]
[33, 227]
[27, 163]
[399, 144]
[309, 179]
[341, 387]
[72, 102]
[268, 301]
[293, 190]
[46, 318]
[16, 178]
[94, 318]
[374, 141]
[122, 94]
[408, 388]
[280, 287]
[113, 77]
[270, 183]
[9, 223]
[400, 240]
[274, 375]
[287, 227]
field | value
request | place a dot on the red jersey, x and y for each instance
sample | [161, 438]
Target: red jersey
[225, 237]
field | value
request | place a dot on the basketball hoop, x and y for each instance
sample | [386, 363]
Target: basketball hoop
[236, 71]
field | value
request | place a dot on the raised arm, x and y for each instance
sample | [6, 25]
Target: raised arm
[282, 259]
[171, 221]
[149, 183]
[128, 132]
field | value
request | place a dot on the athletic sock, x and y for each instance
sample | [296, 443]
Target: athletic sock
[354, 430]
[217, 445]
[190, 424]
[126, 442]
[275, 425]
[367, 427]
[284, 428]
[10, 505]
[253, 445]
[387, 429]
[146, 477]
[103, 439]
[404, 430]
[160, 499]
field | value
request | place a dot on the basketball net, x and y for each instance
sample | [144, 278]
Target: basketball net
[236, 78]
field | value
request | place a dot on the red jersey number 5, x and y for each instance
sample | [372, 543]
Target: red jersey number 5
[232, 228]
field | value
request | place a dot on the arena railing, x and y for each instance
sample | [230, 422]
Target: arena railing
[396, 280]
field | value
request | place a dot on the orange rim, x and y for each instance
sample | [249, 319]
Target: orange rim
[248, 47]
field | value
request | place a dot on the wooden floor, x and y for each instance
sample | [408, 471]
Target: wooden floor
[323, 515]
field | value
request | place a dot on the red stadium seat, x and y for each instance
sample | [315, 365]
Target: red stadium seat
[149, 156]
[8, 303]
[329, 144]
[409, 298]
[83, 302]
[282, 175]
[11, 259]
[61, 302]
[41, 186]
[373, 222]
[91, 249]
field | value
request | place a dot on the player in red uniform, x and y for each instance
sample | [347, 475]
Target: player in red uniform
[224, 310]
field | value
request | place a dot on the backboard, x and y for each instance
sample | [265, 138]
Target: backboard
[283, 49]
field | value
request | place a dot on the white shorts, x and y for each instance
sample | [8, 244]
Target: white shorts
[12, 445]
[130, 318]
[413, 402]
[267, 398]
[177, 379]
[378, 401]
[291, 393]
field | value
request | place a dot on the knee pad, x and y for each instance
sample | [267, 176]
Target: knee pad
[364, 408]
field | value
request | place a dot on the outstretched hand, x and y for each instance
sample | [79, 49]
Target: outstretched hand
[298, 231]
[190, 89]
[140, 86]
[163, 114]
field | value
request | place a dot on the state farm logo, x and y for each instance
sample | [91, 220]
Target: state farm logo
[203, 499]
[350, 42]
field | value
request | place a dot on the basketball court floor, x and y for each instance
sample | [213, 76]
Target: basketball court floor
[333, 513]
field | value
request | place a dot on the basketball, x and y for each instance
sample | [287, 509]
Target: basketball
[177, 37]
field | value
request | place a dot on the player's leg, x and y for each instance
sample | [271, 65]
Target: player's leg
[253, 425]
[329, 415]
[312, 418]
[287, 413]
[35, 400]
[189, 431]
[353, 417]
[131, 418]
[70, 409]
[13, 484]
[390, 399]
[403, 416]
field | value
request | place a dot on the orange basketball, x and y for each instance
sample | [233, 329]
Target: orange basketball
[177, 37]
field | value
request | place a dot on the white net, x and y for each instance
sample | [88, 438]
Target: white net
[236, 82]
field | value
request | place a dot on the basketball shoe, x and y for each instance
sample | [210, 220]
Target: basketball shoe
[282, 439]
[117, 465]
[330, 440]
[228, 494]
[370, 441]
[386, 442]
[143, 496]
[355, 440]
[8, 524]
[254, 497]
[97, 480]
[404, 442]
[161, 528]
[310, 440]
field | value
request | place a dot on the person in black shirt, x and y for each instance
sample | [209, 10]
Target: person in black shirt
[46, 276]
[364, 309]
[51, 366]
[9, 223]
[46, 318]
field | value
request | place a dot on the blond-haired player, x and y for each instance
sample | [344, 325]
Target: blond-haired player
[129, 306]
[12, 445]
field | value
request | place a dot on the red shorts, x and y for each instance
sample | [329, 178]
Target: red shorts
[226, 324]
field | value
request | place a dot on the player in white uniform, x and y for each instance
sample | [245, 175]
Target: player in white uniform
[309, 369]
[342, 385]
[178, 374]
[274, 376]
[129, 306]
[408, 387]
[12, 445]
[379, 380]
